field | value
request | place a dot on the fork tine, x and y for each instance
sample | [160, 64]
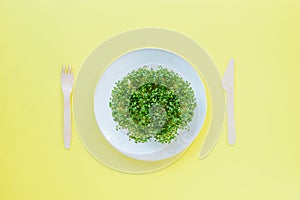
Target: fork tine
[63, 69]
[69, 69]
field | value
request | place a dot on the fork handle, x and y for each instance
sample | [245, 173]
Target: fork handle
[67, 121]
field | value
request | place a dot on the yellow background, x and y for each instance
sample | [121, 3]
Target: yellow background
[38, 36]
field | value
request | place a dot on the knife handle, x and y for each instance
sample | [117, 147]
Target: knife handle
[230, 117]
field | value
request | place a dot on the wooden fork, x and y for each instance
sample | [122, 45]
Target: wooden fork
[67, 80]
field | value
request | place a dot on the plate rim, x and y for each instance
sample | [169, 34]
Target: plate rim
[104, 153]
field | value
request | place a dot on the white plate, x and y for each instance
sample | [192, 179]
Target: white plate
[150, 151]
